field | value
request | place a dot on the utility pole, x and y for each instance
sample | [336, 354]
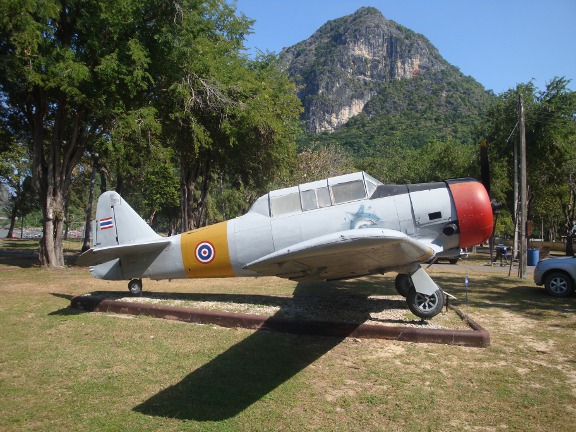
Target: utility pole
[516, 215]
[523, 192]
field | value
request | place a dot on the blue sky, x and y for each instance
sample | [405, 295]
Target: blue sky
[498, 42]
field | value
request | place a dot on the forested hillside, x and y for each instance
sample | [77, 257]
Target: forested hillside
[367, 82]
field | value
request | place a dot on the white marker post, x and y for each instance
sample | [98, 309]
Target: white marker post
[466, 285]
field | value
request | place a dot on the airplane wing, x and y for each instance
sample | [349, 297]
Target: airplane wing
[101, 255]
[342, 255]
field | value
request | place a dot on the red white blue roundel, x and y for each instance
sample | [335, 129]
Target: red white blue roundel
[205, 252]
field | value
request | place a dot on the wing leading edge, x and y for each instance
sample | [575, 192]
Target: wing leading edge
[342, 255]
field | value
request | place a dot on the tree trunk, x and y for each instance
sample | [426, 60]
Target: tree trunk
[103, 182]
[53, 160]
[188, 178]
[200, 208]
[189, 205]
[13, 215]
[570, 244]
[152, 220]
[51, 251]
[569, 210]
[86, 244]
[193, 208]
[183, 201]
[66, 219]
[186, 189]
[172, 228]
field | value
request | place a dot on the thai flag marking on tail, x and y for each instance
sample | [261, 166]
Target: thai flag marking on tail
[106, 223]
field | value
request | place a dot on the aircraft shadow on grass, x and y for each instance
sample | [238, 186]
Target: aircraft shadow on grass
[254, 367]
[66, 311]
[242, 375]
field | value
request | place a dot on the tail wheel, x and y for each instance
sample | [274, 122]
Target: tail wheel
[425, 306]
[135, 287]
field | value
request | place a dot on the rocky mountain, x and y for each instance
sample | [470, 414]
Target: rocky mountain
[374, 70]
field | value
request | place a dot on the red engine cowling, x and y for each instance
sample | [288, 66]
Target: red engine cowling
[474, 211]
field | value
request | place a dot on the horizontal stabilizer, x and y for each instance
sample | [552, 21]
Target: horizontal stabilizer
[100, 255]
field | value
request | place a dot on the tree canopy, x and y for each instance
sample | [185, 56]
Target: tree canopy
[124, 77]
[550, 118]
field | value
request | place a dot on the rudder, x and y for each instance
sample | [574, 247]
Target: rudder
[117, 223]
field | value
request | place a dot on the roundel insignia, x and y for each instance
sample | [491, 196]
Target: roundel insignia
[205, 252]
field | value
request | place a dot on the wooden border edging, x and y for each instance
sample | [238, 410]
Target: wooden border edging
[477, 337]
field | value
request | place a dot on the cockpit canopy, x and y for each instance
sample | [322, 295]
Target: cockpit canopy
[315, 195]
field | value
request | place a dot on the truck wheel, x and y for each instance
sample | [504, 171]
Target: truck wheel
[559, 284]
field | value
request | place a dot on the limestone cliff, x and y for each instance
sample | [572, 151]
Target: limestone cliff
[344, 64]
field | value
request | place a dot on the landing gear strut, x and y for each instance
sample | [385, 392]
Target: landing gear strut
[427, 301]
[135, 287]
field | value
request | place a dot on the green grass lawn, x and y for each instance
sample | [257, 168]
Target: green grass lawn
[63, 369]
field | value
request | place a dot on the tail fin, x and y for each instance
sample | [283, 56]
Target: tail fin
[118, 224]
[121, 241]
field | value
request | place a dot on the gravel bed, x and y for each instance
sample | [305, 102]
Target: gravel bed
[377, 310]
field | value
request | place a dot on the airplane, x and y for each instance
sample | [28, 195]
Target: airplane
[338, 228]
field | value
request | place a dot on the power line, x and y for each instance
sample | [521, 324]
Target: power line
[513, 129]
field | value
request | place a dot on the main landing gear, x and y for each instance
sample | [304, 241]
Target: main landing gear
[403, 283]
[135, 287]
[422, 305]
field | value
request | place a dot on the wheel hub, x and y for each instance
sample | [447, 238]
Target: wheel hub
[558, 285]
[426, 302]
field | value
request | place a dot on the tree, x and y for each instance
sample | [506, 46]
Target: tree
[436, 161]
[22, 202]
[237, 120]
[76, 73]
[161, 193]
[320, 163]
[15, 175]
[68, 69]
[553, 134]
[551, 150]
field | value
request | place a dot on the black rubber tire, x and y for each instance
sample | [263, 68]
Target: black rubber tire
[453, 260]
[425, 306]
[403, 283]
[559, 284]
[135, 287]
